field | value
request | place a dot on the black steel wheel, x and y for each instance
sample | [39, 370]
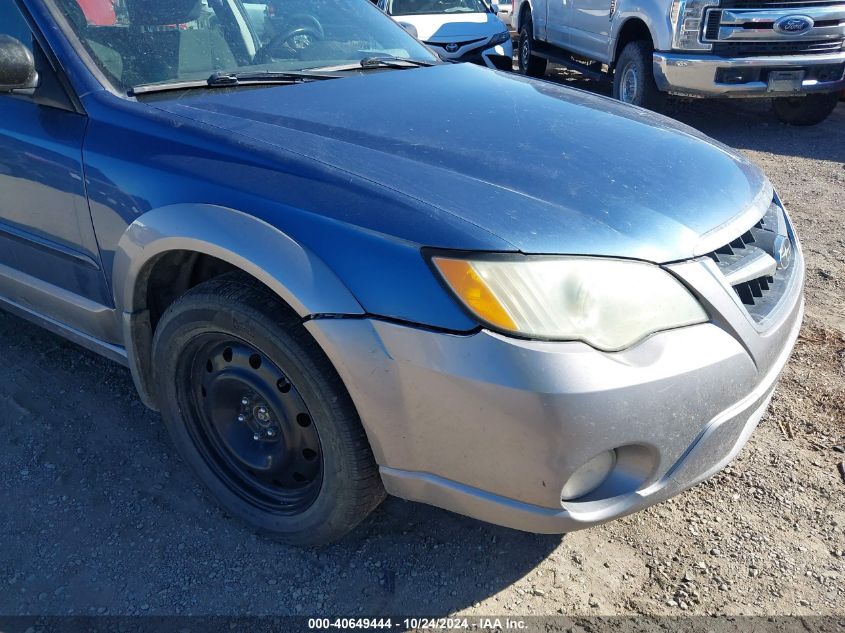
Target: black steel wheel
[258, 411]
[252, 425]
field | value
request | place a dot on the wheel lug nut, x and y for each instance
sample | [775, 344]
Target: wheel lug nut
[271, 432]
[241, 418]
[244, 401]
[257, 436]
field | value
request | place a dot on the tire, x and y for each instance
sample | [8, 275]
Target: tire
[529, 64]
[259, 413]
[633, 79]
[809, 110]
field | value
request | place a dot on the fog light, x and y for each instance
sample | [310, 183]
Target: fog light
[589, 476]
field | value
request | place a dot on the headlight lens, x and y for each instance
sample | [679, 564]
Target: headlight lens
[500, 38]
[687, 21]
[608, 303]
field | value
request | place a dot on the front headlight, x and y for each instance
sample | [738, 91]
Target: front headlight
[500, 38]
[607, 303]
[687, 17]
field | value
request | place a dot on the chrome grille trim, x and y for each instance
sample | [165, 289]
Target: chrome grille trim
[750, 266]
[761, 48]
[744, 23]
[790, 5]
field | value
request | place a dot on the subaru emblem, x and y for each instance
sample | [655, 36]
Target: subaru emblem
[783, 252]
[793, 24]
[451, 47]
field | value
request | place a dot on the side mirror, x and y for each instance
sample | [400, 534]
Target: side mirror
[17, 67]
[410, 28]
[494, 7]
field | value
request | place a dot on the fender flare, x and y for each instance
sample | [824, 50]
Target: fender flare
[650, 13]
[518, 12]
[293, 272]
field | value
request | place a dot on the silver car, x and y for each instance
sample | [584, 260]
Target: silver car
[320, 262]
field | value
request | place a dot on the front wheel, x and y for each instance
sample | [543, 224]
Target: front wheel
[633, 79]
[808, 110]
[529, 63]
[258, 411]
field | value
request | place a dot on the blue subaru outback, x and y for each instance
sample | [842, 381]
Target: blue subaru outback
[314, 250]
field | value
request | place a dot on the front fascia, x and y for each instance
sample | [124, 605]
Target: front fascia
[515, 418]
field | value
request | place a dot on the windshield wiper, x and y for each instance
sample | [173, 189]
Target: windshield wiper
[380, 61]
[391, 61]
[269, 76]
[224, 80]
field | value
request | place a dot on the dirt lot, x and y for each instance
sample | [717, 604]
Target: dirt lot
[100, 517]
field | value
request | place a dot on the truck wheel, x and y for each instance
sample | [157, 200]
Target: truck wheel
[257, 410]
[808, 110]
[529, 64]
[633, 79]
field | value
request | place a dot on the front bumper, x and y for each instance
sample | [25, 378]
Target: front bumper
[705, 75]
[492, 427]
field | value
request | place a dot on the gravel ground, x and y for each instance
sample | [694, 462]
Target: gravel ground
[100, 517]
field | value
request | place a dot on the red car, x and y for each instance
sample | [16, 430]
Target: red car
[99, 12]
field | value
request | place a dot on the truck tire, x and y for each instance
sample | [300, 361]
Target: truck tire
[529, 64]
[809, 110]
[633, 79]
[258, 411]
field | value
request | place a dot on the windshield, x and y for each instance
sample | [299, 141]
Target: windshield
[425, 7]
[142, 42]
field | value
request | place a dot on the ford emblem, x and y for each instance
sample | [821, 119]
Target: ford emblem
[793, 24]
[451, 47]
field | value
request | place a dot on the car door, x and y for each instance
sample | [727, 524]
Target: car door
[557, 25]
[49, 260]
[589, 27]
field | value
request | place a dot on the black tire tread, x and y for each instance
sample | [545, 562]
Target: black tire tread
[536, 65]
[804, 111]
[641, 52]
[259, 304]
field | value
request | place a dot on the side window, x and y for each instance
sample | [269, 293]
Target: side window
[12, 23]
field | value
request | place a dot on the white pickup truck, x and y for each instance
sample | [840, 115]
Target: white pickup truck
[788, 50]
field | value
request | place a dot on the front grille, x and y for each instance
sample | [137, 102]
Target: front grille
[750, 265]
[459, 44]
[749, 48]
[711, 28]
[777, 4]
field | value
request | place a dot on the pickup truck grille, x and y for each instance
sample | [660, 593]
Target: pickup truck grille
[711, 28]
[746, 48]
[777, 4]
[750, 263]
[751, 27]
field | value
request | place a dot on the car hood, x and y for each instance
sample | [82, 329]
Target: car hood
[547, 169]
[451, 27]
